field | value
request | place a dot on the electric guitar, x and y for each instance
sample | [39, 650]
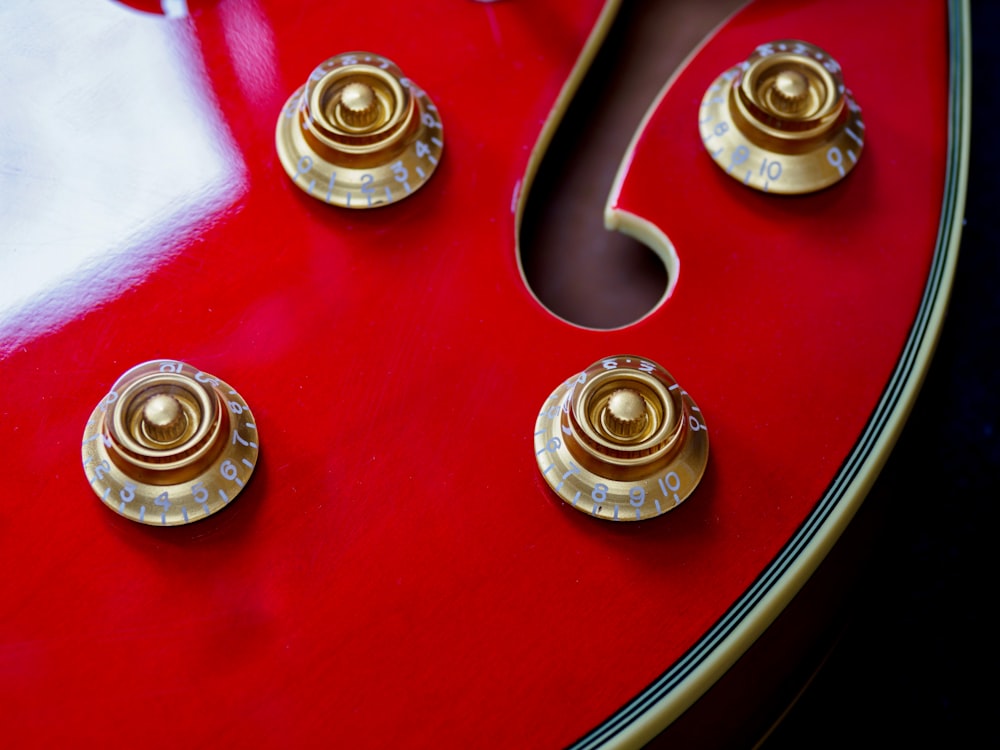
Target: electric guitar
[381, 555]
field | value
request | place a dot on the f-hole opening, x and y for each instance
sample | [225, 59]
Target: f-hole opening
[580, 271]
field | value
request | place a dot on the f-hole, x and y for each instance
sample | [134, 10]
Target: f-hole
[579, 270]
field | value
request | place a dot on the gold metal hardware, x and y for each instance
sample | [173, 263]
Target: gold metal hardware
[169, 444]
[621, 440]
[783, 121]
[359, 134]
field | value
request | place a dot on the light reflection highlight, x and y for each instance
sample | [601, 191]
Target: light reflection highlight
[111, 151]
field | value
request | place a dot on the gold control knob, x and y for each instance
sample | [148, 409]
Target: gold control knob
[622, 441]
[359, 134]
[783, 121]
[169, 444]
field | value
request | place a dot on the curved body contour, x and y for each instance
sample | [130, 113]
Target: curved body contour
[397, 572]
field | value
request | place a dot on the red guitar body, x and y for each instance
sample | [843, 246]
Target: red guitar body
[397, 572]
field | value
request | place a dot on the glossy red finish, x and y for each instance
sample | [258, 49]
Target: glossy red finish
[397, 573]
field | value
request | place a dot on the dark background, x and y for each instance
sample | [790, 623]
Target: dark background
[915, 666]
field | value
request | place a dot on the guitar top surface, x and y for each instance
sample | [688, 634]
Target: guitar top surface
[397, 572]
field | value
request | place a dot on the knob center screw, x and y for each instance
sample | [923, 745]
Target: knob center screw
[791, 89]
[625, 415]
[163, 419]
[358, 106]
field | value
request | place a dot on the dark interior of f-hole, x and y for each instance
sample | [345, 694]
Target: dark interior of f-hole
[579, 270]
